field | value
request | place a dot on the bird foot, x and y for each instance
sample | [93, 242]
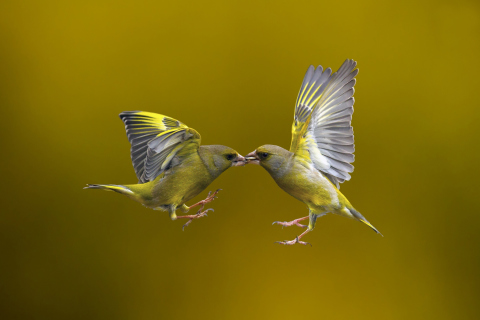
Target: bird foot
[291, 223]
[292, 242]
[199, 214]
[210, 197]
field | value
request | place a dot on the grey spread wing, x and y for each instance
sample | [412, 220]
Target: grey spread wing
[329, 134]
[155, 140]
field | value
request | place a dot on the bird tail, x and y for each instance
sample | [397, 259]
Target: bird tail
[361, 218]
[111, 187]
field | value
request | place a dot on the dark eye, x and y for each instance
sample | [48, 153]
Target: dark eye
[230, 157]
[263, 155]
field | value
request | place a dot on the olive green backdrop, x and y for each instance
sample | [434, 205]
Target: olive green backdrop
[231, 70]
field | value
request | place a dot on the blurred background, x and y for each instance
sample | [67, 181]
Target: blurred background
[232, 70]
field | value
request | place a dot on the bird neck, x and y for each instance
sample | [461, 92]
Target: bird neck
[213, 166]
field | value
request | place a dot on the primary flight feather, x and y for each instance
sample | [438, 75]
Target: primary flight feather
[171, 165]
[321, 151]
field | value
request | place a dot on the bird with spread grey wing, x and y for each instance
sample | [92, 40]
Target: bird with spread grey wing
[321, 149]
[171, 165]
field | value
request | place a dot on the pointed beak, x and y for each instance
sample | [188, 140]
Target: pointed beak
[252, 158]
[239, 161]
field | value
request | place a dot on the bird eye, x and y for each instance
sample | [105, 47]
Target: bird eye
[263, 155]
[230, 157]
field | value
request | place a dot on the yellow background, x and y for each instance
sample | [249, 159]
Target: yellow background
[232, 70]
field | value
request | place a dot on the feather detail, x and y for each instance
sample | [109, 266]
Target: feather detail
[155, 140]
[322, 122]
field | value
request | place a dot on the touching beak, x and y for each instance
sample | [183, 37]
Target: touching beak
[252, 158]
[239, 161]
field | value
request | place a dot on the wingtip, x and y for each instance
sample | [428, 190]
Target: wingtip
[124, 114]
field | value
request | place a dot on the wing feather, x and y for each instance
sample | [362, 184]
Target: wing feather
[155, 140]
[322, 123]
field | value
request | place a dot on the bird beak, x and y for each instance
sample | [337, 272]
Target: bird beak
[239, 161]
[252, 158]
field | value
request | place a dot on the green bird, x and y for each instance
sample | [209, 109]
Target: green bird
[321, 149]
[171, 165]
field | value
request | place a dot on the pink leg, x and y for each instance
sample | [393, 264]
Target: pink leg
[297, 240]
[208, 199]
[293, 222]
[200, 213]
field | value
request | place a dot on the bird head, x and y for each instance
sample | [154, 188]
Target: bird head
[268, 156]
[222, 158]
[232, 157]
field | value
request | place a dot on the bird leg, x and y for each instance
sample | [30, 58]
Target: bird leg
[297, 240]
[200, 213]
[208, 199]
[293, 222]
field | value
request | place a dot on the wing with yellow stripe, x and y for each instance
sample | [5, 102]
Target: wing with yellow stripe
[310, 92]
[321, 131]
[155, 140]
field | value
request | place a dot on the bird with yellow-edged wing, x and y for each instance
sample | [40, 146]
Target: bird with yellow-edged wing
[321, 151]
[171, 165]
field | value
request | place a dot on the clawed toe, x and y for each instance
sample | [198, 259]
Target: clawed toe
[286, 242]
[280, 223]
[305, 243]
[217, 191]
[291, 223]
[204, 213]
[196, 216]
[292, 242]
[210, 197]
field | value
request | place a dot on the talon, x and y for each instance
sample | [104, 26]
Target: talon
[293, 222]
[296, 240]
[200, 213]
[305, 243]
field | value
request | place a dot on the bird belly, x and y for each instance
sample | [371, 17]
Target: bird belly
[312, 188]
[179, 185]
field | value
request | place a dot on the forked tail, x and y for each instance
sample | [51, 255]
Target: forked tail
[111, 187]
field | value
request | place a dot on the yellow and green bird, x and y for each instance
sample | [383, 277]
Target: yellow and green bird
[171, 165]
[321, 150]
